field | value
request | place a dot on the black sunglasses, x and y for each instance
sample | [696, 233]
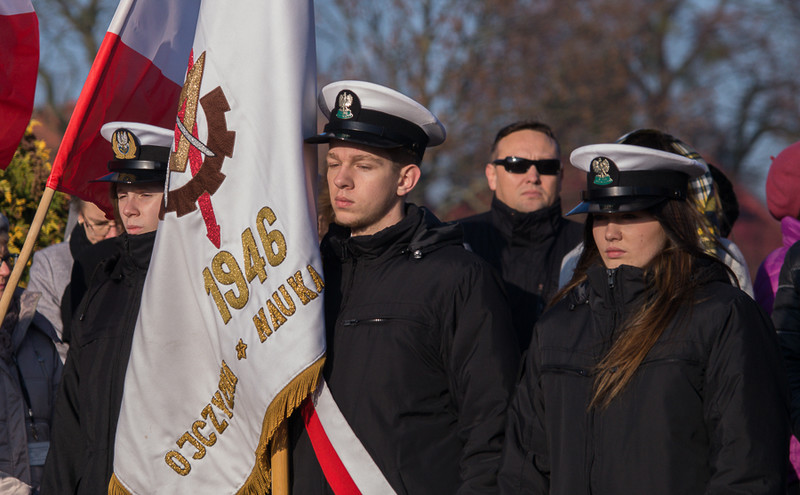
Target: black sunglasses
[516, 165]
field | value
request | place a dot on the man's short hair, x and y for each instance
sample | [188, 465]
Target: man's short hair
[402, 157]
[522, 125]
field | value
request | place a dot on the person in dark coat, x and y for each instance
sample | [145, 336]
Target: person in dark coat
[786, 317]
[651, 373]
[81, 457]
[30, 370]
[421, 353]
[523, 235]
[55, 275]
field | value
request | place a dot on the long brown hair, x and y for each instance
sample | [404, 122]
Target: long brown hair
[671, 280]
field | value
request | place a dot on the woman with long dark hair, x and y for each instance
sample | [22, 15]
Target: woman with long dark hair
[650, 373]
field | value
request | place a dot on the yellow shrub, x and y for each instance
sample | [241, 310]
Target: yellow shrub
[21, 186]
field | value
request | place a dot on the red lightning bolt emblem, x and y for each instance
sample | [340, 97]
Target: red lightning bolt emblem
[204, 159]
[204, 201]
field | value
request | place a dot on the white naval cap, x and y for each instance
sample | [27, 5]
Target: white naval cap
[141, 152]
[374, 115]
[625, 177]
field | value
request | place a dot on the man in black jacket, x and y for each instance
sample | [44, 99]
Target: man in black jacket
[421, 355]
[524, 235]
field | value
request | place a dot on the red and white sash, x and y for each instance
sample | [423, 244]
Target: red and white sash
[347, 465]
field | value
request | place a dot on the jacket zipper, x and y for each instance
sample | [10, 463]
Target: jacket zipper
[355, 322]
[590, 427]
[669, 360]
[87, 298]
[115, 371]
[380, 319]
[572, 370]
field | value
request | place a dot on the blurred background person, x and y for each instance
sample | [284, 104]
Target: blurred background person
[783, 201]
[786, 318]
[30, 370]
[524, 235]
[51, 270]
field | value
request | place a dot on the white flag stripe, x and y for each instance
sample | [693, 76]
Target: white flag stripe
[152, 21]
[14, 7]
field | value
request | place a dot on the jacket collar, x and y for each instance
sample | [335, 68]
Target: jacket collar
[136, 251]
[78, 242]
[526, 228]
[616, 287]
[418, 233]
[628, 284]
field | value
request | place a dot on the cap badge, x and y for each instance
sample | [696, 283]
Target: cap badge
[601, 167]
[124, 144]
[345, 101]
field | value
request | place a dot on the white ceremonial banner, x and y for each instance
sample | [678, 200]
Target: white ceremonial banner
[230, 334]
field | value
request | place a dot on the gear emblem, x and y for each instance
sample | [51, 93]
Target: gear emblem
[205, 160]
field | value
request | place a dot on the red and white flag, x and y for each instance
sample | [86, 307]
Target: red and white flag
[19, 63]
[230, 334]
[136, 77]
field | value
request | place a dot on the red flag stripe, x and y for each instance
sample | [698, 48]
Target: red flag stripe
[122, 85]
[19, 63]
[136, 77]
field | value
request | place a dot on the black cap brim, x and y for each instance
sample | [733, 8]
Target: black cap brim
[620, 204]
[132, 177]
[354, 137]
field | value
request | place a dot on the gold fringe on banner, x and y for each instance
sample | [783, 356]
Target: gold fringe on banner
[272, 440]
[115, 487]
[281, 407]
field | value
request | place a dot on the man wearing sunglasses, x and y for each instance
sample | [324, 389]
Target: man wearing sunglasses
[524, 235]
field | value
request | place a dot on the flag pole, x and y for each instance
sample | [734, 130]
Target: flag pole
[27, 249]
[279, 462]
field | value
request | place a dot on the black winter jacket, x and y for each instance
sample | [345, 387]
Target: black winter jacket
[526, 249]
[421, 357]
[86, 258]
[705, 412]
[31, 374]
[786, 317]
[81, 454]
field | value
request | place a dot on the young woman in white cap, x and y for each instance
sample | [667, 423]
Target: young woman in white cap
[650, 373]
